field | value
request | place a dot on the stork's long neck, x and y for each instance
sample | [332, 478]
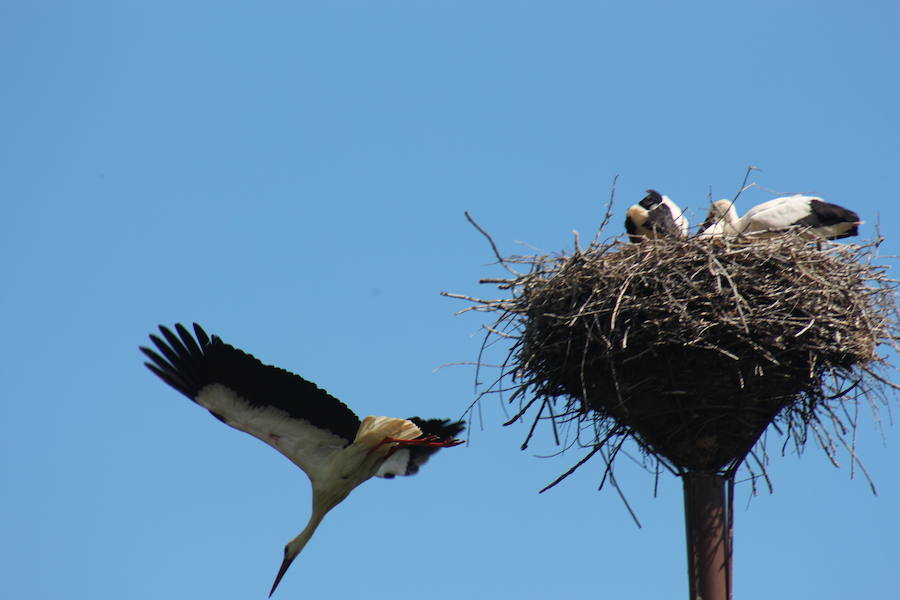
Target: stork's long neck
[731, 216]
[323, 501]
[298, 543]
[728, 217]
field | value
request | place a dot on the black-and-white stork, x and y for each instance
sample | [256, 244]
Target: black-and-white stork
[821, 219]
[317, 432]
[720, 220]
[653, 217]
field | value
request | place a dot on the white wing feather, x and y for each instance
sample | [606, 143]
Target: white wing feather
[305, 445]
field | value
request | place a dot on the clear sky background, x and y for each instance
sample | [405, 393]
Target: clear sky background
[293, 176]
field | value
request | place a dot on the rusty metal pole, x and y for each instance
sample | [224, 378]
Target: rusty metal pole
[707, 516]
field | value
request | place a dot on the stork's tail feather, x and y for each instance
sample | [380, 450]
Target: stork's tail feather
[411, 455]
[375, 429]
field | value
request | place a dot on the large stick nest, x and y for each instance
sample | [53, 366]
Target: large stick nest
[694, 347]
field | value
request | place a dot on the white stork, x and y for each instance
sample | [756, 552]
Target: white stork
[821, 219]
[720, 220]
[317, 432]
[653, 217]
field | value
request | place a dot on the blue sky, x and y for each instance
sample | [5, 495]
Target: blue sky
[293, 176]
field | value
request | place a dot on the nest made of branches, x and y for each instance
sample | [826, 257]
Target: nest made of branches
[693, 347]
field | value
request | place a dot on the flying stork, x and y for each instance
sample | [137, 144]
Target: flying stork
[653, 217]
[823, 220]
[314, 430]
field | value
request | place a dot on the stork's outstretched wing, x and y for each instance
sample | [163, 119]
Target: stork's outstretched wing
[291, 414]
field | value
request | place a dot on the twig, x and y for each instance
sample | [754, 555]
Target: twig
[609, 206]
[500, 259]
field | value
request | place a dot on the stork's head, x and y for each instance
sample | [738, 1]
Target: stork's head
[652, 199]
[722, 219]
[724, 210]
[324, 499]
[291, 550]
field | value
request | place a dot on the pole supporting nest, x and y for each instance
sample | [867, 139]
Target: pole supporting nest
[708, 500]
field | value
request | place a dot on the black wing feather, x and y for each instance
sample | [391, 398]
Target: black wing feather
[661, 222]
[825, 213]
[192, 364]
[202, 338]
[175, 382]
[443, 428]
[631, 229]
[192, 347]
[172, 357]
